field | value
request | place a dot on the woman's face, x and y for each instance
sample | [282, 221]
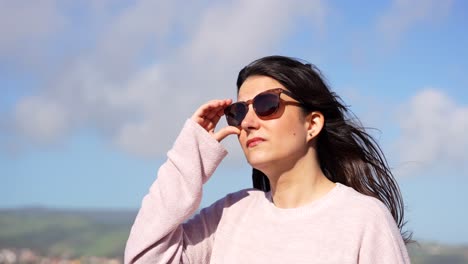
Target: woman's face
[279, 140]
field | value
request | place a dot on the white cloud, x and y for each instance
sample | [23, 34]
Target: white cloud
[141, 106]
[228, 35]
[433, 131]
[403, 15]
[42, 121]
[25, 25]
[243, 29]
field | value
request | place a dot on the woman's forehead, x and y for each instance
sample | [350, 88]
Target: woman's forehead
[255, 85]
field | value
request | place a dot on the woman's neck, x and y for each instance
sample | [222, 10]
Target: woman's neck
[299, 185]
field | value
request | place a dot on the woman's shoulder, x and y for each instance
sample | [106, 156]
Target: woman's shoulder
[353, 201]
[244, 196]
[238, 203]
[373, 222]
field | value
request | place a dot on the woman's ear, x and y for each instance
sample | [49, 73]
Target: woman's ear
[315, 122]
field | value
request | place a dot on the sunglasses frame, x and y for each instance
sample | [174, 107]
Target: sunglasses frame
[275, 91]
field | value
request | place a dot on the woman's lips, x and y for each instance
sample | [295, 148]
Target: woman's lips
[254, 142]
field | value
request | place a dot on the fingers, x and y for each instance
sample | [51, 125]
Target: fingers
[212, 108]
[226, 131]
[209, 114]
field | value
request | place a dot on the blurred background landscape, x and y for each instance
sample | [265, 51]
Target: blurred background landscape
[93, 94]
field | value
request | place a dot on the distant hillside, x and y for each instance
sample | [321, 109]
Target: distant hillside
[66, 232]
[433, 253]
[103, 233]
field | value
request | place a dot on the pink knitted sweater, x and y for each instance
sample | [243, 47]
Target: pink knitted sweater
[343, 226]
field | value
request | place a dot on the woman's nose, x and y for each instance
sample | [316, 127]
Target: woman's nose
[251, 120]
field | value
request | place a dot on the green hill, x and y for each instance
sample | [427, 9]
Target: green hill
[434, 253]
[65, 232]
[103, 233]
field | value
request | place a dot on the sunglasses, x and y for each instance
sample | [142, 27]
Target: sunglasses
[265, 104]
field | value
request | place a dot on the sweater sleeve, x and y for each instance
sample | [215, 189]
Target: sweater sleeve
[382, 241]
[158, 234]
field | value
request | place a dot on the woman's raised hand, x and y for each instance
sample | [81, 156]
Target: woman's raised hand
[208, 115]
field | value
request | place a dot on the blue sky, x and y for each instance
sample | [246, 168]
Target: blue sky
[94, 93]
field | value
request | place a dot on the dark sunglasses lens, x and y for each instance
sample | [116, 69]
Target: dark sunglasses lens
[266, 104]
[235, 113]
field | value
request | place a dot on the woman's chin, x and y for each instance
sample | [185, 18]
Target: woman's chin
[258, 161]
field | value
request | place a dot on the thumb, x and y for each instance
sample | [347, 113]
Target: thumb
[226, 131]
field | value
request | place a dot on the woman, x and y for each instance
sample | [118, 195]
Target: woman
[323, 191]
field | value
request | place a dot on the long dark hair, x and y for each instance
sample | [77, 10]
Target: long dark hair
[346, 152]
